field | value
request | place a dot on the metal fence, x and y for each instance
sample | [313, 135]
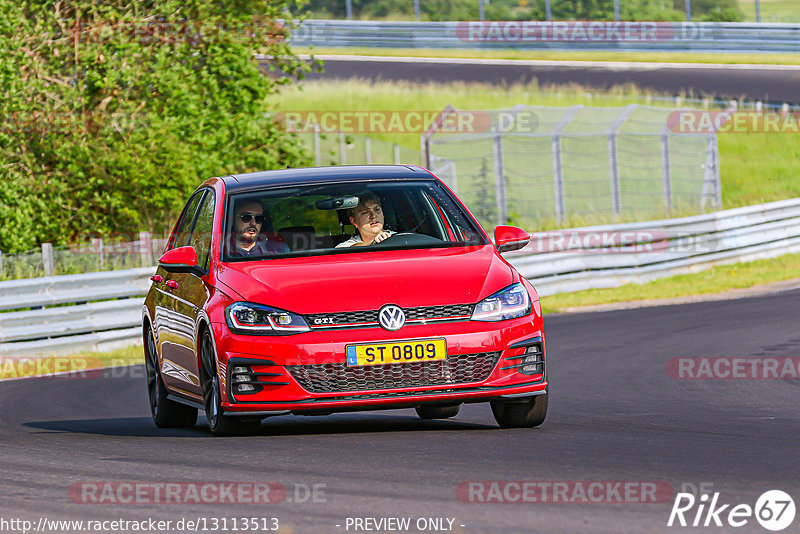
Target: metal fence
[556, 35]
[578, 164]
[339, 148]
[95, 255]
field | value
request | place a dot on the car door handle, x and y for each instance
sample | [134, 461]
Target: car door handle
[172, 284]
[156, 278]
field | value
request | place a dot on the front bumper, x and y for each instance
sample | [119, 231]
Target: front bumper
[277, 359]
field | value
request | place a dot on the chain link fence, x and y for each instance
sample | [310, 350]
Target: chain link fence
[338, 148]
[578, 165]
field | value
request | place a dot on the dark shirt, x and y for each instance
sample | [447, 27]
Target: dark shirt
[262, 248]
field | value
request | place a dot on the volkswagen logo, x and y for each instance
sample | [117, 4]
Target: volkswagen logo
[392, 317]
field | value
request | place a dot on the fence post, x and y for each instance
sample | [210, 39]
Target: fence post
[1, 263]
[145, 249]
[317, 149]
[368, 150]
[500, 181]
[342, 149]
[712, 190]
[396, 154]
[558, 176]
[47, 259]
[613, 160]
[665, 172]
[97, 247]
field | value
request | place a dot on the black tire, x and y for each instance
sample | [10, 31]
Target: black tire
[437, 412]
[219, 423]
[520, 413]
[166, 413]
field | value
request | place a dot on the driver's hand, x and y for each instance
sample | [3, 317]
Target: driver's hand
[381, 236]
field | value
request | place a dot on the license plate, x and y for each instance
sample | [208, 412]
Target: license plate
[424, 350]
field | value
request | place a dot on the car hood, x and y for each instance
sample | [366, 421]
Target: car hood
[368, 280]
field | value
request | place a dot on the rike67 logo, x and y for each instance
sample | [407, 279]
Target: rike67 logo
[774, 510]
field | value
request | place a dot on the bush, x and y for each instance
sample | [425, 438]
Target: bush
[116, 111]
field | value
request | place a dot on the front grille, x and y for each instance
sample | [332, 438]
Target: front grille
[437, 312]
[338, 377]
[419, 314]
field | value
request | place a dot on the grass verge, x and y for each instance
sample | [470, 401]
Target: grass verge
[571, 55]
[714, 281]
[77, 362]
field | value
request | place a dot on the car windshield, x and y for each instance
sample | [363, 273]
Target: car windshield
[342, 218]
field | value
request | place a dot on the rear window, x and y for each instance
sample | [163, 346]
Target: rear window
[319, 219]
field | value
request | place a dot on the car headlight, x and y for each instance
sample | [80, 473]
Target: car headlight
[509, 303]
[255, 319]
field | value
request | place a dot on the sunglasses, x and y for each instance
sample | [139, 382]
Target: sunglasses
[247, 217]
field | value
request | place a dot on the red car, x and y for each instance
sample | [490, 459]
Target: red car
[321, 290]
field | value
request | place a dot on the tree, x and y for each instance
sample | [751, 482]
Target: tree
[115, 110]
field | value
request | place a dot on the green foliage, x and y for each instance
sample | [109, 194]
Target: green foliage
[114, 111]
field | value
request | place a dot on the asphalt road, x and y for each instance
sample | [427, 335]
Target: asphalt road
[769, 84]
[615, 415]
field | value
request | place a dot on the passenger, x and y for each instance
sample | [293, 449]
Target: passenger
[367, 217]
[248, 220]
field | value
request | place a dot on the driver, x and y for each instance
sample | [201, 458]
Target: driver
[248, 240]
[367, 217]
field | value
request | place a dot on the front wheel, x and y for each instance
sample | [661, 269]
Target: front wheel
[166, 413]
[219, 423]
[520, 413]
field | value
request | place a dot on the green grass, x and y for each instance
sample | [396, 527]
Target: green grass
[712, 281]
[554, 55]
[49, 363]
[771, 10]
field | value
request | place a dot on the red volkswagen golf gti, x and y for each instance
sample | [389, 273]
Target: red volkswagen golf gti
[314, 291]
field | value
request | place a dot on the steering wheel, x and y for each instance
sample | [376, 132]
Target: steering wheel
[408, 238]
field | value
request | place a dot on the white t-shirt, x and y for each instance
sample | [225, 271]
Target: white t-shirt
[356, 239]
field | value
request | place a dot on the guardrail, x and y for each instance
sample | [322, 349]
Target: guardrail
[98, 311]
[557, 35]
[613, 255]
[93, 311]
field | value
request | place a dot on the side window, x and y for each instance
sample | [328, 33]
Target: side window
[184, 231]
[201, 235]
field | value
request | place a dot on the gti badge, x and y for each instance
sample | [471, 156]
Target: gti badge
[392, 317]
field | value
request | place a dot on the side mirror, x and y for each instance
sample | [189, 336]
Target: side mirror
[509, 238]
[179, 260]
